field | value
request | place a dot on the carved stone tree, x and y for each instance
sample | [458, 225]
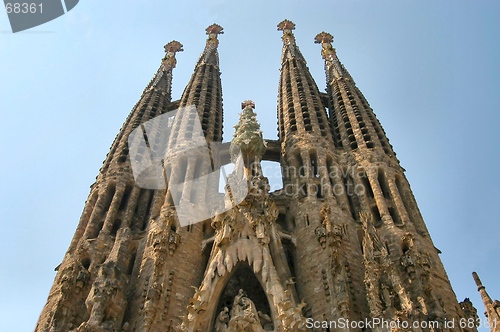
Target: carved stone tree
[246, 235]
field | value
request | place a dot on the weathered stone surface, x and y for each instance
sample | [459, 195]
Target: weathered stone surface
[343, 239]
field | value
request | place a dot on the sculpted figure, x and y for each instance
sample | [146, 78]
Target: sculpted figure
[222, 320]
[244, 315]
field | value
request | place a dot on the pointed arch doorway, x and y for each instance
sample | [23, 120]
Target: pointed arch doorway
[243, 283]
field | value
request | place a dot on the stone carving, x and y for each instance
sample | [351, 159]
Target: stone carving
[424, 262]
[288, 38]
[373, 247]
[106, 299]
[387, 296]
[265, 321]
[329, 54]
[248, 136]
[243, 234]
[321, 235]
[81, 280]
[400, 285]
[222, 320]
[173, 240]
[169, 60]
[212, 42]
[244, 316]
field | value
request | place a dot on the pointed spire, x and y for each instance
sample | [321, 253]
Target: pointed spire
[163, 77]
[204, 89]
[300, 108]
[334, 68]
[210, 55]
[169, 60]
[478, 281]
[492, 307]
[353, 121]
[290, 48]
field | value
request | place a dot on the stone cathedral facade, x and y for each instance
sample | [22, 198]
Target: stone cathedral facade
[343, 241]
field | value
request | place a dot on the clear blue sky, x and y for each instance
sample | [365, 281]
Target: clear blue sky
[428, 68]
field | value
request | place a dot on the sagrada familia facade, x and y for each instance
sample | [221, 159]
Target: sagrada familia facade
[342, 247]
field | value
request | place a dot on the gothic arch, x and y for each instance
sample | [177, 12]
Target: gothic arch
[241, 277]
[204, 305]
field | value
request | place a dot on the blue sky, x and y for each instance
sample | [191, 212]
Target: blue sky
[428, 68]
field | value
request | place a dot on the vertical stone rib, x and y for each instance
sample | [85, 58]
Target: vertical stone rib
[398, 201]
[111, 199]
[492, 307]
[353, 122]
[131, 206]
[301, 110]
[204, 89]
[378, 195]
[305, 144]
[201, 101]
[84, 219]
[113, 209]
[302, 117]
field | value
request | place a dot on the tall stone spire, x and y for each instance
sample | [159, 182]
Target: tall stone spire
[307, 156]
[300, 109]
[356, 129]
[342, 240]
[204, 89]
[163, 78]
[191, 162]
[399, 257]
[101, 255]
[290, 48]
[353, 122]
[303, 122]
[492, 307]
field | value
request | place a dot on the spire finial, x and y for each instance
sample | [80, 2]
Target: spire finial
[214, 30]
[210, 53]
[286, 26]
[477, 280]
[171, 48]
[246, 103]
[323, 38]
[327, 50]
[332, 63]
[174, 46]
[163, 78]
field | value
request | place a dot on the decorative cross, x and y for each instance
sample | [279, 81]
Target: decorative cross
[286, 25]
[214, 29]
[327, 50]
[173, 47]
[323, 38]
[169, 61]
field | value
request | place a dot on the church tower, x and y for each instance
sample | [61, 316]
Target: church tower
[341, 247]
